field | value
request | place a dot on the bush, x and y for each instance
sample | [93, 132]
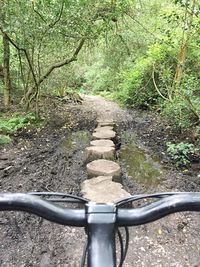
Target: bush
[15, 123]
[137, 88]
[184, 109]
[5, 139]
[180, 152]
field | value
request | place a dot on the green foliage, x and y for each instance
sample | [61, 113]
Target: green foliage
[47, 35]
[5, 139]
[137, 88]
[138, 65]
[15, 123]
[184, 109]
[132, 81]
[131, 51]
[177, 111]
[99, 79]
[180, 152]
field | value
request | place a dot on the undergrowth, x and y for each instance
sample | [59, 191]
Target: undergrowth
[11, 125]
[181, 153]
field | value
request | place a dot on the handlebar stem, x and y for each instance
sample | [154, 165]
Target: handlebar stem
[101, 229]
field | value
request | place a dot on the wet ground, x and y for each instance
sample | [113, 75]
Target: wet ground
[53, 159]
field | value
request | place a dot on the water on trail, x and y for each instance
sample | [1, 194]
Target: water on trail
[137, 162]
[139, 165]
[79, 139]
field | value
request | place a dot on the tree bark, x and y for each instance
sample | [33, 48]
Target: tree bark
[6, 70]
[180, 65]
[182, 55]
[6, 60]
[32, 90]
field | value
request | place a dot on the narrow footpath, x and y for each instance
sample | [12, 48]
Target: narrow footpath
[67, 156]
[167, 242]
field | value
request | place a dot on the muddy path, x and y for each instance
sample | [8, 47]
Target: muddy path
[52, 159]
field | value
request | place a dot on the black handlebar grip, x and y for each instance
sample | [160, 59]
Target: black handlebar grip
[42, 208]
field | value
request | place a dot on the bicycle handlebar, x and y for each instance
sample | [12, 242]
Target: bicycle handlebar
[159, 209]
[78, 217]
[42, 208]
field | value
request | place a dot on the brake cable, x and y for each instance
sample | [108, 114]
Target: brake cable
[84, 254]
[139, 197]
[59, 197]
[123, 248]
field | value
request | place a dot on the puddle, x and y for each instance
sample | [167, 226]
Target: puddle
[140, 166]
[79, 139]
[129, 137]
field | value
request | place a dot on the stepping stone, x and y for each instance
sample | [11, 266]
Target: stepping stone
[100, 152]
[102, 167]
[102, 142]
[102, 123]
[103, 128]
[103, 190]
[104, 134]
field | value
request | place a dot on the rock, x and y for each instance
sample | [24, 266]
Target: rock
[3, 156]
[104, 128]
[102, 167]
[104, 134]
[72, 96]
[102, 123]
[100, 152]
[103, 190]
[102, 142]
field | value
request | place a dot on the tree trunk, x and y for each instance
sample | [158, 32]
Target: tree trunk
[182, 55]
[6, 70]
[180, 65]
[6, 59]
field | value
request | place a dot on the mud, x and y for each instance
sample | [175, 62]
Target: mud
[52, 159]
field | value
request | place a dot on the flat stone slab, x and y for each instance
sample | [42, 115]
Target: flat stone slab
[102, 123]
[104, 134]
[102, 142]
[103, 167]
[103, 128]
[103, 190]
[100, 152]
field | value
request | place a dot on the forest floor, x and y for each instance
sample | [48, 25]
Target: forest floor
[52, 158]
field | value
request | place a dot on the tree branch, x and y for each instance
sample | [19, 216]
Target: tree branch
[125, 44]
[25, 52]
[59, 16]
[128, 14]
[191, 106]
[156, 87]
[39, 15]
[50, 26]
[64, 62]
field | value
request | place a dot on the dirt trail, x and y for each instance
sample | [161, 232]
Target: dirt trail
[105, 109]
[44, 161]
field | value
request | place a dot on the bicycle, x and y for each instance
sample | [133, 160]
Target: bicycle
[101, 221]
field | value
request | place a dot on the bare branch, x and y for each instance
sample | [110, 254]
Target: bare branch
[59, 16]
[64, 62]
[156, 87]
[25, 52]
[51, 25]
[37, 12]
[191, 106]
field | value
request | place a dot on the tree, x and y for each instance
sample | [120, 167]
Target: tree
[50, 34]
[151, 60]
[6, 61]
